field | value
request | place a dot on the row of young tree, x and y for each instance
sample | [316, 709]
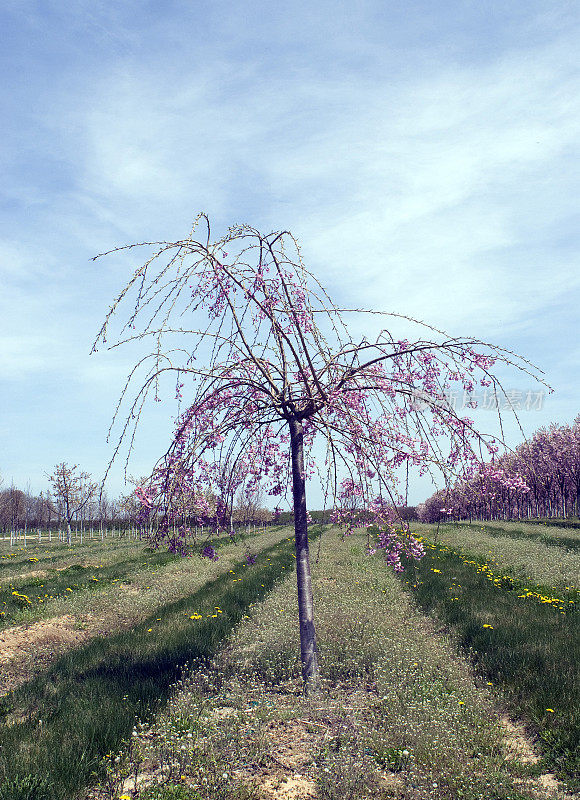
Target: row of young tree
[74, 501]
[71, 501]
[540, 478]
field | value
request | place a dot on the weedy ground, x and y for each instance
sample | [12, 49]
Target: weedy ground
[401, 714]
[513, 605]
[68, 702]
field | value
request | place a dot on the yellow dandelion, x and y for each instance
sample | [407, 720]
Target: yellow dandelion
[551, 710]
[488, 626]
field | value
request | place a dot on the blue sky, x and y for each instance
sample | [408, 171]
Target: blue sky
[426, 155]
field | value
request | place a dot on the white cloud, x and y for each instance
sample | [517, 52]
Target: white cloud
[415, 196]
[446, 193]
[23, 354]
[429, 187]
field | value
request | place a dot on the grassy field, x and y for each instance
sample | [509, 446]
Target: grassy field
[72, 704]
[402, 714]
[512, 600]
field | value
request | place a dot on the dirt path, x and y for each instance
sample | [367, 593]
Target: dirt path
[28, 649]
[519, 747]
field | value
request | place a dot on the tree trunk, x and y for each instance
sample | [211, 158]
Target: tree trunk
[308, 649]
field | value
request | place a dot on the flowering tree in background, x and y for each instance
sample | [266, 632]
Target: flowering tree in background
[571, 435]
[72, 491]
[273, 370]
[541, 477]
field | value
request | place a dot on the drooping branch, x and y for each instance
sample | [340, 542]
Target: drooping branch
[278, 361]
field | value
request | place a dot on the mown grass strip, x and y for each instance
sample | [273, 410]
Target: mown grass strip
[527, 647]
[32, 593]
[28, 593]
[37, 555]
[568, 542]
[558, 522]
[399, 715]
[60, 725]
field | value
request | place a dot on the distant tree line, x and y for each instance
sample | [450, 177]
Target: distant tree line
[540, 478]
[74, 501]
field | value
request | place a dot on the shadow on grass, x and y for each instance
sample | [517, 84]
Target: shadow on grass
[75, 578]
[59, 726]
[566, 542]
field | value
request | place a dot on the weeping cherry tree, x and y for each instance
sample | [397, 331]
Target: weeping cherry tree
[272, 378]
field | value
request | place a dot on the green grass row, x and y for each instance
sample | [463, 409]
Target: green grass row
[35, 555]
[55, 729]
[28, 593]
[122, 560]
[515, 532]
[20, 560]
[548, 522]
[556, 522]
[526, 558]
[523, 639]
